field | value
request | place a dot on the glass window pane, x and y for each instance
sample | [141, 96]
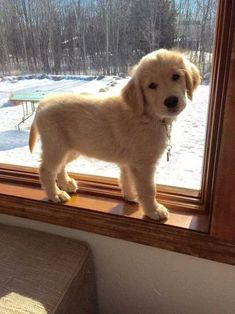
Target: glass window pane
[88, 46]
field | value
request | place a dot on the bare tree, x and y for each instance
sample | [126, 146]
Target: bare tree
[100, 36]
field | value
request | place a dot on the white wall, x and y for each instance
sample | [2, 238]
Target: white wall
[137, 279]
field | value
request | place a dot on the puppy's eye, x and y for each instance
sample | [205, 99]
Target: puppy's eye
[175, 77]
[152, 86]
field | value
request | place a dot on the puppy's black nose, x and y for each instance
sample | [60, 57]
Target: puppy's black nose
[171, 102]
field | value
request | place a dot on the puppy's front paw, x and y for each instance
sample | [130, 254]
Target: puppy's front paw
[160, 213]
[60, 197]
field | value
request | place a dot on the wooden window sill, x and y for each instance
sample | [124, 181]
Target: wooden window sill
[105, 205]
[184, 232]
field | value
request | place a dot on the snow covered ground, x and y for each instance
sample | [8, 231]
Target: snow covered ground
[188, 134]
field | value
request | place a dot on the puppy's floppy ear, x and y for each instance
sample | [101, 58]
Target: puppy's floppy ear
[193, 78]
[133, 95]
[132, 70]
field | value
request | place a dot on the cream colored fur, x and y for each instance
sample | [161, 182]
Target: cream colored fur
[128, 129]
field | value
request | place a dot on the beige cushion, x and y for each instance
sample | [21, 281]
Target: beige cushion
[43, 273]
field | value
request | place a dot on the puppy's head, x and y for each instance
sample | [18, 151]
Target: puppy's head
[160, 83]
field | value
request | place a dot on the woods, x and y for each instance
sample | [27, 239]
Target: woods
[100, 36]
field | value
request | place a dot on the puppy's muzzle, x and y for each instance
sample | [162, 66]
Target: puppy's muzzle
[171, 102]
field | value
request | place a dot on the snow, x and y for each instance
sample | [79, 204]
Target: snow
[184, 168]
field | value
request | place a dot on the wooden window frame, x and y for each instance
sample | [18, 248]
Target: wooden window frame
[201, 224]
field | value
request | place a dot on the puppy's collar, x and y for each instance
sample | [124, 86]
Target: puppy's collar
[168, 128]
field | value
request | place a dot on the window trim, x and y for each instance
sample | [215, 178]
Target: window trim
[179, 198]
[212, 243]
[218, 92]
[143, 231]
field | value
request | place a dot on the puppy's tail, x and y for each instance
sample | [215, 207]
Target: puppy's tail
[32, 136]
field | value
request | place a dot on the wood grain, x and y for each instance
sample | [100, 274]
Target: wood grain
[103, 204]
[218, 93]
[179, 198]
[223, 219]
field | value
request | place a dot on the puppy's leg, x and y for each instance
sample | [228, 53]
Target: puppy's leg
[65, 182]
[49, 169]
[127, 184]
[146, 190]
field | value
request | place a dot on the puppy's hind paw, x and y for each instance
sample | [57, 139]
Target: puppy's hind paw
[60, 197]
[69, 186]
[161, 213]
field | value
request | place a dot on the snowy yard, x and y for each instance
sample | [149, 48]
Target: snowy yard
[188, 134]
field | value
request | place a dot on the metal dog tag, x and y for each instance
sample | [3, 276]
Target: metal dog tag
[168, 154]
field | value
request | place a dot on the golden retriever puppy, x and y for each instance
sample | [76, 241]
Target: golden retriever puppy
[130, 128]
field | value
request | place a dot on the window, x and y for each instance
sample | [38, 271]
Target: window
[215, 195]
[69, 53]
